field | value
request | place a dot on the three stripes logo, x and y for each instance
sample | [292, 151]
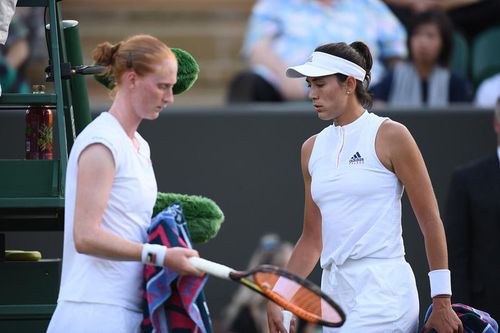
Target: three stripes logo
[356, 159]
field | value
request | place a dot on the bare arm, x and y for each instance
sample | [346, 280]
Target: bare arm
[96, 171]
[405, 160]
[399, 152]
[308, 248]
[18, 53]
[262, 54]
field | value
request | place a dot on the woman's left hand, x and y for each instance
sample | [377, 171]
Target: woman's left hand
[443, 319]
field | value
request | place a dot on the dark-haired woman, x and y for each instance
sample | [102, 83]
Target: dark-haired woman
[110, 194]
[426, 79]
[354, 172]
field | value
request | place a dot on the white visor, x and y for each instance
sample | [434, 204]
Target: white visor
[322, 64]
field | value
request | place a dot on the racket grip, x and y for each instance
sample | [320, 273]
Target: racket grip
[211, 267]
[287, 318]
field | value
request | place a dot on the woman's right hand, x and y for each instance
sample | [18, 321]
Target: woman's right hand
[275, 319]
[177, 259]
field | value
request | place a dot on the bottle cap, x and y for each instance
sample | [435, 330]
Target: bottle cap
[38, 88]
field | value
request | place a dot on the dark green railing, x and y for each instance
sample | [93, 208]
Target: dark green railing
[31, 188]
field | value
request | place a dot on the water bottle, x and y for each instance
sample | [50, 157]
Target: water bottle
[38, 136]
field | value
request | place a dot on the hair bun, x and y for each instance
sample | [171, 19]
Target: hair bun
[364, 51]
[103, 54]
[115, 49]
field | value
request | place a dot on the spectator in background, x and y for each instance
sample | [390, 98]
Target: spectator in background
[472, 222]
[24, 56]
[13, 49]
[33, 69]
[488, 92]
[33, 19]
[426, 78]
[282, 33]
[13, 56]
[469, 16]
[7, 9]
[247, 311]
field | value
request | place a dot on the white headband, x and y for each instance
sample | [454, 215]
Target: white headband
[322, 64]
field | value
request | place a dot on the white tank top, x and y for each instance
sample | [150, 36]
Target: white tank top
[359, 198]
[87, 278]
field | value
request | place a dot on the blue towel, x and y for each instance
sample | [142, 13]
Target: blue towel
[473, 320]
[173, 303]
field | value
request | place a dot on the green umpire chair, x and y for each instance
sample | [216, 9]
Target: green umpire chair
[32, 191]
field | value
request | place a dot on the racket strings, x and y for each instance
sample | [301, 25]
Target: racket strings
[297, 298]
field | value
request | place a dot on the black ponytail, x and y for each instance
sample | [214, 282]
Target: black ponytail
[358, 53]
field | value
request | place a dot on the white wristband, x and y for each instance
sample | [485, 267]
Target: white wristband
[287, 318]
[440, 280]
[153, 254]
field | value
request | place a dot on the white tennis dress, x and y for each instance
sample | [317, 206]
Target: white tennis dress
[98, 294]
[363, 263]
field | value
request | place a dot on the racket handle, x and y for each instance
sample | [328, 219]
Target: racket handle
[211, 267]
[287, 318]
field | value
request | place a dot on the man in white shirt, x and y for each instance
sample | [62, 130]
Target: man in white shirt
[488, 92]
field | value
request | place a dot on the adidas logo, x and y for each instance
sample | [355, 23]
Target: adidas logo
[357, 159]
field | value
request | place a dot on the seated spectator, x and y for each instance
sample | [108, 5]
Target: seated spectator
[7, 9]
[488, 92]
[13, 57]
[470, 17]
[425, 80]
[282, 33]
[33, 69]
[247, 311]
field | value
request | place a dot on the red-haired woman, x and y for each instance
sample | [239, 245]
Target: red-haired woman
[110, 193]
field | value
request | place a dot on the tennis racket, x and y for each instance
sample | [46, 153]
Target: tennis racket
[299, 296]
